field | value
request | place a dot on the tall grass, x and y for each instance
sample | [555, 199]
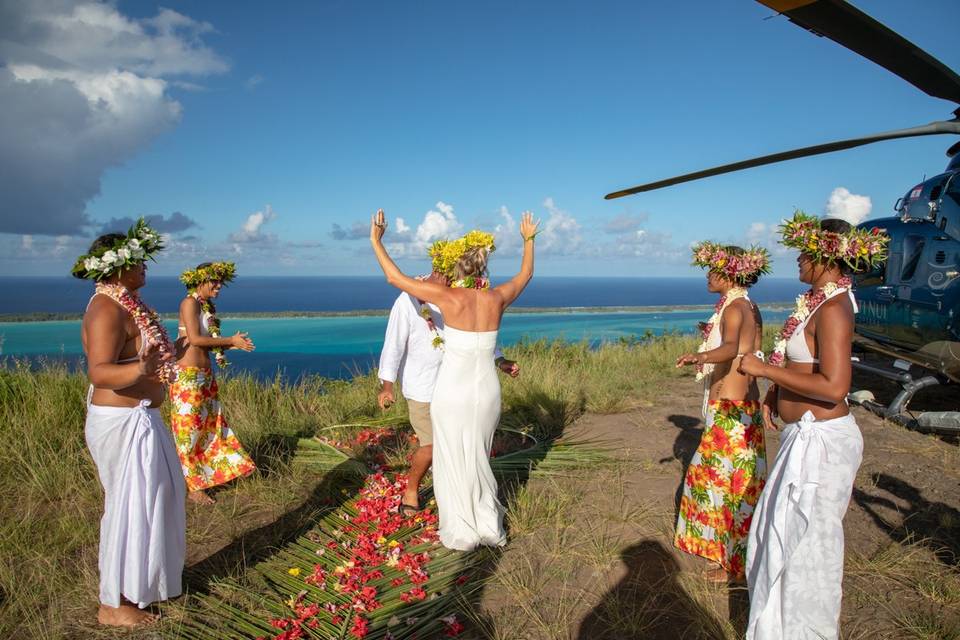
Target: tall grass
[49, 515]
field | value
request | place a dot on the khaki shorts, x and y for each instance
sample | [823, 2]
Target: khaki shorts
[420, 421]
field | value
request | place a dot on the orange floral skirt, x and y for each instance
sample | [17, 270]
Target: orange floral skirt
[723, 484]
[210, 453]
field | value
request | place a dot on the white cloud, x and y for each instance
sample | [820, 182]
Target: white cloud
[560, 232]
[848, 206]
[439, 223]
[251, 231]
[624, 223]
[83, 88]
[759, 233]
[253, 82]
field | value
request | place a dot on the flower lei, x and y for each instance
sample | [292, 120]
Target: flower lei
[858, 248]
[139, 246]
[147, 321]
[447, 253]
[471, 282]
[735, 293]
[738, 266]
[222, 272]
[806, 303]
[427, 315]
[209, 313]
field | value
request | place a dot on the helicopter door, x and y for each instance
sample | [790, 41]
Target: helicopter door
[914, 308]
[875, 292]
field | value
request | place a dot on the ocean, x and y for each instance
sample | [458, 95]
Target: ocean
[343, 346]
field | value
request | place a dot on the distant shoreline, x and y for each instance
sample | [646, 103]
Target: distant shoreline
[42, 316]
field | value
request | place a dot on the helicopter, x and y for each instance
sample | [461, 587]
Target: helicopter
[910, 305]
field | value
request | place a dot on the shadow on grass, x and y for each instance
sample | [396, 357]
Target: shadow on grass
[273, 452]
[338, 486]
[934, 524]
[688, 439]
[649, 603]
[549, 416]
[684, 447]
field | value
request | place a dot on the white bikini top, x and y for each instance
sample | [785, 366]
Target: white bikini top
[143, 339]
[797, 349]
[204, 327]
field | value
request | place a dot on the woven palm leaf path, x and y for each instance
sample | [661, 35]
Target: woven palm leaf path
[363, 570]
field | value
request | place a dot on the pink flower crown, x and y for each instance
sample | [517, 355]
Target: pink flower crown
[742, 266]
[859, 249]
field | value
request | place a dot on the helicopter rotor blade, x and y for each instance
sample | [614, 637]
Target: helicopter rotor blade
[932, 129]
[849, 27]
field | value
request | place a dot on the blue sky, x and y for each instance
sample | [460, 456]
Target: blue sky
[264, 125]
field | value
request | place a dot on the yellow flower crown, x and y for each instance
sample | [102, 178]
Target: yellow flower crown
[220, 271]
[447, 253]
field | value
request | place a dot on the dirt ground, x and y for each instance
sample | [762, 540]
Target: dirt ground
[592, 556]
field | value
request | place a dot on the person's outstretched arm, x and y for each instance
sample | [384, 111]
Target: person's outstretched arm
[190, 321]
[419, 289]
[510, 290]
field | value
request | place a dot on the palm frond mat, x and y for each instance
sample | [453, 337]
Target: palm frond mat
[364, 571]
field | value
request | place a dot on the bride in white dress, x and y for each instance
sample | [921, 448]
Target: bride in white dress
[465, 408]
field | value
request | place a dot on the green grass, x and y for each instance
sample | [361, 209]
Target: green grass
[49, 516]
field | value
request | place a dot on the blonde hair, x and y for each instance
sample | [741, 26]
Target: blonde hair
[473, 262]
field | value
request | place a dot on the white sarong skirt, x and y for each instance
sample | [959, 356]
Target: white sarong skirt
[143, 529]
[795, 548]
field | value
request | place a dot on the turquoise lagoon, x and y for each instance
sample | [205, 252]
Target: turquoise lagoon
[345, 345]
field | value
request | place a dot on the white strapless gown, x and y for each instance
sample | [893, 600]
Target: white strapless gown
[465, 411]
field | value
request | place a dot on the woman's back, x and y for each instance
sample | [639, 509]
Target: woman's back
[477, 310]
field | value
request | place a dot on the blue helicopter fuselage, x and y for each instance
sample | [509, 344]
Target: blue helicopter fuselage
[914, 299]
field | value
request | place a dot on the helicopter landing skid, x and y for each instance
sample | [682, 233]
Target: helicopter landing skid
[943, 422]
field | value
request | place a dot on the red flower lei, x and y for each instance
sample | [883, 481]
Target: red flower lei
[806, 303]
[147, 321]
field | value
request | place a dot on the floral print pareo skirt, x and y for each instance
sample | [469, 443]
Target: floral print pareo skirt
[723, 484]
[209, 451]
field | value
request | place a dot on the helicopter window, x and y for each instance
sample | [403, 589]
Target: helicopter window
[921, 199]
[912, 250]
[953, 190]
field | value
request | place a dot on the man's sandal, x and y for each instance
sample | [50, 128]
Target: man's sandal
[408, 510]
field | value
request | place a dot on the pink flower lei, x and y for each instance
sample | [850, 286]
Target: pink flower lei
[740, 266]
[147, 321]
[209, 312]
[806, 303]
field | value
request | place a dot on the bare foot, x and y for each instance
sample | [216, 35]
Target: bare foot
[126, 615]
[200, 497]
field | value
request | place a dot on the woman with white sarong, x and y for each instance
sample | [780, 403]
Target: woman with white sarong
[129, 359]
[795, 547]
[465, 407]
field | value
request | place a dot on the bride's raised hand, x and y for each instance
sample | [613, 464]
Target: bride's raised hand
[378, 226]
[528, 228]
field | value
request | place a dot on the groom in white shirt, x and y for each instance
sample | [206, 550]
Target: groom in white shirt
[412, 352]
